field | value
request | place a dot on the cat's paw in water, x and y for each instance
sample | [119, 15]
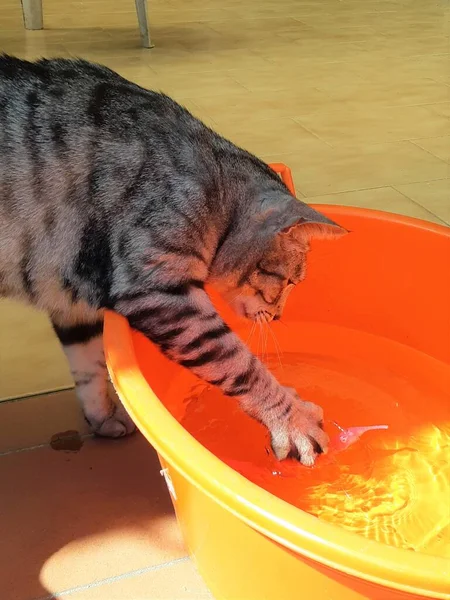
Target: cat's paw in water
[117, 424]
[301, 435]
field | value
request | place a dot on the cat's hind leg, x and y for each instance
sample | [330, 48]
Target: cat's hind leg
[82, 343]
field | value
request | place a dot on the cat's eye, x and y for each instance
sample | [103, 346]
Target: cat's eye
[273, 274]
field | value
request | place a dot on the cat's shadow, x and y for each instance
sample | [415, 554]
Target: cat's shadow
[72, 519]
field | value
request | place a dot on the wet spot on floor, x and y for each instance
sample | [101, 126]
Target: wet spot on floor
[68, 441]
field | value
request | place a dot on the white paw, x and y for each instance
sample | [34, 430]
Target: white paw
[116, 425]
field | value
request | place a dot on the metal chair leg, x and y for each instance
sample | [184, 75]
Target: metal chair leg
[32, 14]
[142, 15]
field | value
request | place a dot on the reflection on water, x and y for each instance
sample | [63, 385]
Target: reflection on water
[391, 486]
[404, 502]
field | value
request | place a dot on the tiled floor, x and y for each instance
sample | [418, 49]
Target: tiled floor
[353, 96]
[95, 523]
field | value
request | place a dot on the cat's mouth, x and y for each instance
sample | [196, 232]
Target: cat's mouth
[261, 316]
[264, 317]
[256, 315]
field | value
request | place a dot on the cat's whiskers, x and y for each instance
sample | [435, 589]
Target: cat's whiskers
[263, 341]
[278, 349]
[259, 345]
[282, 323]
[261, 335]
[256, 322]
[263, 319]
[266, 334]
[235, 297]
[250, 335]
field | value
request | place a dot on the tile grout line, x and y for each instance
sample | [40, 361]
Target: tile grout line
[313, 133]
[37, 394]
[113, 579]
[368, 189]
[38, 446]
[18, 450]
[443, 221]
[415, 140]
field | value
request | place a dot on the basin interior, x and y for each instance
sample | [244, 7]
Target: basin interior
[366, 336]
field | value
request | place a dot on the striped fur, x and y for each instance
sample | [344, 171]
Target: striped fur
[112, 196]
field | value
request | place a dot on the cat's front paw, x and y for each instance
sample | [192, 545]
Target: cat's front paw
[117, 424]
[300, 434]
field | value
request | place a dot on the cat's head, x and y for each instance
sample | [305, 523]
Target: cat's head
[263, 255]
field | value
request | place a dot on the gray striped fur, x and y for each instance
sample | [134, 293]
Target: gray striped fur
[112, 196]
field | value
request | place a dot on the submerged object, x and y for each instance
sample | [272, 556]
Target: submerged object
[347, 437]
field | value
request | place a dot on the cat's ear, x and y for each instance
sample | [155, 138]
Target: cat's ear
[311, 230]
[307, 224]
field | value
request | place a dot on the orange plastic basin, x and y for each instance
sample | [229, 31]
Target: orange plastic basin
[391, 278]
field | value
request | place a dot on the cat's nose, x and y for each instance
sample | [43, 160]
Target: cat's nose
[276, 317]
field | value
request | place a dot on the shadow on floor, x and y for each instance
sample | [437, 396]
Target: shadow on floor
[71, 518]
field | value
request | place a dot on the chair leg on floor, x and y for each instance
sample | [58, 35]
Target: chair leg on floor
[141, 9]
[32, 14]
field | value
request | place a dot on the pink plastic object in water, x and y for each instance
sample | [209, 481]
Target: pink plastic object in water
[349, 436]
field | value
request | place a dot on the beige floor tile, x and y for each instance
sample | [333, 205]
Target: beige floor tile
[122, 63]
[330, 17]
[294, 76]
[400, 45]
[28, 48]
[80, 19]
[78, 35]
[177, 581]
[189, 36]
[192, 62]
[415, 27]
[436, 67]
[272, 136]
[195, 85]
[167, 60]
[108, 46]
[284, 51]
[433, 195]
[330, 32]
[188, 14]
[11, 21]
[70, 519]
[441, 109]
[388, 93]
[441, 74]
[242, 109]
[275, 25]
[101, 54]
[403, 68]
[439, 146]
[367, 7]
[343, 169]
[385, 198]
[33, 421]
[31, 359]
[377, 125]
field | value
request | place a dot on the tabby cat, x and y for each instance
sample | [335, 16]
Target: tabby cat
[115, 197]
